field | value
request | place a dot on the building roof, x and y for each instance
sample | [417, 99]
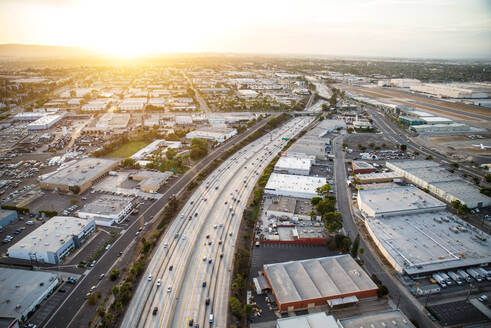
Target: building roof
[23, 288]
[107, 205]
[314, 320]
[151, 179]
[293, 163]
[283, 204]
[386, 319]
[79, 172]
[317, 278]
[378, 175]
[429, 242]
[295, 183]
[5, 213]
[404, 198]
[53, 234]
[433, 119]
[361, 165]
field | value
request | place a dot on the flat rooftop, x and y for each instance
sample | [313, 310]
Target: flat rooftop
[386, 319]
[79, 172]
[378, 175]
[22, 287]
[152, 179]
[317, 278]
[293, 163]
[54, 233]
[294, 183]
[360, 165]
[426, 242]
[314, 320]
[107, 205]
[397, 199]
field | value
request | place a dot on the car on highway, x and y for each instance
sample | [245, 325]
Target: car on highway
[165, 245]
[204, 258]
[171, 267]
[155, 310]
[158, 283]
[169, 288]
[209, 261]
[101, 276]
[204, 284]
[150, 277]
[93, 288]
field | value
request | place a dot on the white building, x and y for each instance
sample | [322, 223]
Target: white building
[404, 83]
[53, 240]
[132, 104]
[183, 120]
[293, 165]
[214, 134]
[293, 185]
[45, 122]
[247, 94]
[451, 91]
[107, 209]
[439, 181]
[29, 116]
[96, 105]
[149, 149]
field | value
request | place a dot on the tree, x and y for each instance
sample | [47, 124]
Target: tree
[324, 190]
[170, 153]
[114, 274]
[101, 310]
[333, 221]
[487, 178]
[333, 100]
[382, 291]
[238, 284]
[315, 200]
[403, 148]
[115, 290]
[75, 189]
[92, 299]
[475, 180]
[236, 307]
[362, 250]
[325, 107]
[354, 247]
[429, 158]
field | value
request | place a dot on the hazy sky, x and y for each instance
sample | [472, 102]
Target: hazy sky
[404, 28]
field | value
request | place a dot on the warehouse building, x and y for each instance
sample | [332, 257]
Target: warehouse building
[448, 128]
[22, 292]
[314, 320]
[150, 181]
[109, 122]
[148, 149]
[107, 209]
[45, 122]
[453, 90]
[332, 281]
[362, 167]
[212, 133]
[385, 319]
[378, 177]
[293, 165]
[132, 104]
[96, 105]
[440, 182]
[293, 185]
[417, 235]
[54, 240]
[29, 116]
[83, 173]
[7, 217]
[385, 202]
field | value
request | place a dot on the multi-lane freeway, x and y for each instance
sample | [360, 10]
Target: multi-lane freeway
[189, 275]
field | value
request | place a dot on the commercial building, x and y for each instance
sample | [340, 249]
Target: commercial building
[386, 202]
[132, 104]
[107, 209]
[113, 121]
[440, 182]
[362, 167]
[404, 83]
[314, 320]
[385, 319]
[432, 120]
[150, 181]
[212, 133]
[148, 149]
[411, 120]
[293, 185]
[29, 116]
[45, 122]
[247, 94]
[53, 241]
[454, 90]
[293, 165]
[22, 291]
[434, 128]
[378, 177]
[7, 217]
[96, 105]
[330, 281]
[183, 120]
[81, 174]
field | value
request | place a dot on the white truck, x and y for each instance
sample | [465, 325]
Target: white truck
[439, 280]
[447, 279]
[464, 275]
[484, 274]
[474, 274]
[455, 277]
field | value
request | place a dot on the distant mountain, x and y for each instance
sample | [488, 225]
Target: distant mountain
[39, 51]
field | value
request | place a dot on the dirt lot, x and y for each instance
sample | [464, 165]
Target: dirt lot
[366, 139]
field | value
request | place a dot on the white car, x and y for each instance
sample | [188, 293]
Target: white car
[29, 222]
[169, 289]
[158, 283]
[150, 278]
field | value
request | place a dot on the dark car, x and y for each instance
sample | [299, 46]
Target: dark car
[171, 267]
[204, 284]
[155, 310]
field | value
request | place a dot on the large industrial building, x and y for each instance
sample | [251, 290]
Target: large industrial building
[385, 319]
[107, 209]
[314, 320]
[212, 133]
[417, 235]
[45, 122]
[110, 121]
[132, 104]
[53, 241]
[293, 165]
[96, 105]
[7, 217]
[439, 181]
[82, 173]
[332, 281]
[378, 177]
[21, 292]
[454, 90]
[293, 185]
[150, 181]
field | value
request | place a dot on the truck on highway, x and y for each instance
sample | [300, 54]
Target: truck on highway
[455, 277]
[464, 275]
[447, 279]
[439, 280]
[474, 274]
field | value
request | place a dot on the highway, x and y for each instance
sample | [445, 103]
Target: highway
[322, 89]
[64, 315]
[399, 293]
[195, 257]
